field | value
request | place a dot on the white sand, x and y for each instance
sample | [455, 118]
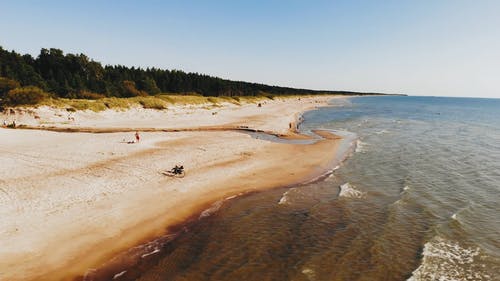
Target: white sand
[274, 116]
[71, 201]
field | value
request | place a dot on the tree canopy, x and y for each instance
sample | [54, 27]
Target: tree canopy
[77, 76]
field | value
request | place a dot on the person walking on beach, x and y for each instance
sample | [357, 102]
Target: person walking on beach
[137, 137]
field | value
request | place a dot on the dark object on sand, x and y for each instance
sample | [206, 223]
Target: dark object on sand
[177, 171]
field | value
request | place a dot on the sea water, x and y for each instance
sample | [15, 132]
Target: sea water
[417, 199]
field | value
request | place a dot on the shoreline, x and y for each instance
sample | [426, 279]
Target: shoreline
[120, 265]
[225, 175]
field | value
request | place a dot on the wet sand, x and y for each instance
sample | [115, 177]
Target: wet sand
[70, 202]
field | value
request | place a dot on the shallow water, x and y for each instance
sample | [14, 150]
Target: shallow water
[417, 200]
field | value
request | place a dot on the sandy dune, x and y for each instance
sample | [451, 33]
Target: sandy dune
[71, 201]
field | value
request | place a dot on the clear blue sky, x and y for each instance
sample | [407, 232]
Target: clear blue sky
[444, 48]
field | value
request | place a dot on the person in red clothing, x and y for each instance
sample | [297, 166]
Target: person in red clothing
[137, 137]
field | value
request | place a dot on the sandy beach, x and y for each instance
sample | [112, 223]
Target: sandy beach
[71, 201]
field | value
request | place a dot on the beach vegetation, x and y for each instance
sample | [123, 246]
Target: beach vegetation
[30, 95]
[97, 102]
[183, 99]
[151, 102]
[7, 84]
[116, 103]
[82, 104]
[84, 94]
[129, 89]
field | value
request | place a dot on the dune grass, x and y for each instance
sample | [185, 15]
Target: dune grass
[159, 102]
[74, 104]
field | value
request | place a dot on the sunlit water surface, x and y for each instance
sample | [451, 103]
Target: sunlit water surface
[418, 199]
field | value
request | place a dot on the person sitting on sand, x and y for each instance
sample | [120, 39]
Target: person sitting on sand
[177, 169]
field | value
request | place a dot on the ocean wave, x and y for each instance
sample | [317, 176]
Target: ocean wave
[332, 174]
[398, 202]
[447, 260]
[460, 212]
[118, 275]
[285, 197]
[360, 146]
[348, 190]
[404, 190]
[213, 208]
[364, 121]
[231, 197]
[217, 205]
[150, 253]
[309, 273]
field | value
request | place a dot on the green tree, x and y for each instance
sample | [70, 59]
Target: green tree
[149, 85]
[69, 75]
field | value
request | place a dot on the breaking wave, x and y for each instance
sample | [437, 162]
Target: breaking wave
[213, 208]
[447, 260]
[360, 147]
[348, 190]
[284, 198]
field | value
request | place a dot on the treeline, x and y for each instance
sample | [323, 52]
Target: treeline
[77, 76]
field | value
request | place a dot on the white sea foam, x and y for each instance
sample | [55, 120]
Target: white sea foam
[350, 191]
[309, 273]
[360, 146]
[332, 174]
[399, 201]
[214, 208]
[447, 260]
[119, 274]
[150, 253]
[285, 197]
[89, 274]
[405, 189]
